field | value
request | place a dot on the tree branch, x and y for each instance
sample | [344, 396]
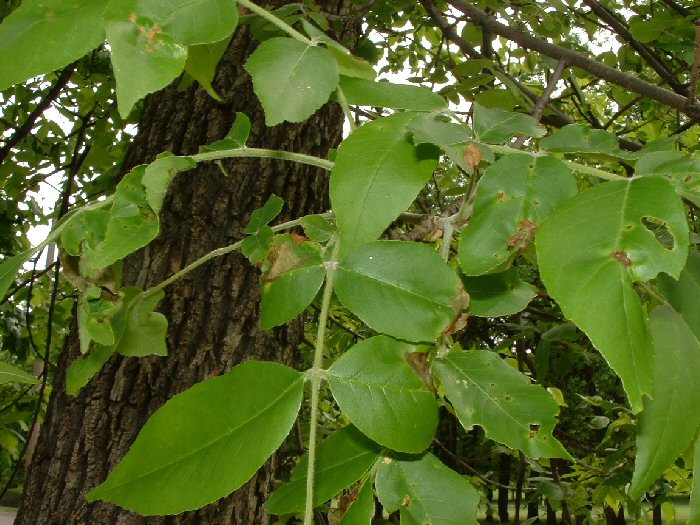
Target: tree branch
[577, 59]
[692, 90]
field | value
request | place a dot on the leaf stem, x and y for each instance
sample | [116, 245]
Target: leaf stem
[263, 153]
[264, 13]
[576, 166]
[217, 253]
[342, 99]
[315, 373]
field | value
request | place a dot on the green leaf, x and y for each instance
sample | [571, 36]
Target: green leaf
[513, 197]
[498, 294]
[12, 374]
[361, 510]
[425, 491]
[694, 517]
[594, 247]
[160, 173]
[94, 320]
[82, 369]
[289, 294]
[10, 267]
[291, 79]
[65, 30]
[235, 138]
[449, 137]
[143, 58]
[649, 30]
[202, 61]
[256, 246]
[138, 329]
[682, 170]
[484, 390]
[575, 138]
[684, 293]
[88, 227]
[363, 92]
[378, 173]
[265, 214]
[352, 66]
[132, 224]
[341, 459]
[496, 126]
[670, 420]
[177, 461]
[399, 288]
[379, 391]
[317, 228]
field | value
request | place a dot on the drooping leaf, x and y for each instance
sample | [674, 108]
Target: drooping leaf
[498, 294]
[364, 92]
[176, 463]
[292, 79]
[592, 249]
[513, 197]
[496, 126]
[378, 390]
[361, 510]
[94, 319]
[66, 30]
[139, 330]
[670, 420]
[575, 138]
[484, 390]
[684, 293]
[288, 295]
[265, 214]
[341, 459]
[160, 173]
[132, 223]
[9, 269]
[84, 227]
[425, 491]
[352, 66]
[399, 288]
[12, 374]
[85, 367]
[317, 228]
[235, 138]
[378, 173]
[202, 61]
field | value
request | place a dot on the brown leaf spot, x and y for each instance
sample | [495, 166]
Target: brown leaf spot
[420, 364]
[282, 258]
[406, 502]
[622, 258]
[132, 18]
[524, 235]
[472, 156]
[500, 195]
[459, 303]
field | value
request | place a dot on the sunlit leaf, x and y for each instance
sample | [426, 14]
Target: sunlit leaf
[379, 391]
[484, 390]
[684, 293]
[364, 92]
[594, 247]
[177, 461]
[288, 295]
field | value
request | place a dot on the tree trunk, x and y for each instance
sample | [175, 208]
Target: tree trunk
[213, 312]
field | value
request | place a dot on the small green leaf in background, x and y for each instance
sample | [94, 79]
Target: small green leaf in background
[12, 374]
[484, 390]
[378, 173]
[160, 173]
[317, 228]
[575, 138]
[9, 269]
[292, 79]
[202, 61]
[265, 214]
[85, 367]
[364, 92]
[235, 138]
[380, 392]
[498, 294]
[176, 464]
[513, 197]
[496, 126]
[694, 517]
[132, 223]
[66, 30]
[425, 491]
[341, 459]
[594, 247]
[399, 288]
[670, 419]
[288, 294]
[681, 169]
[362, 509]
[684, 293]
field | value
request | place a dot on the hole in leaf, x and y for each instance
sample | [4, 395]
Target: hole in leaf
[507, 398]
[660, 231]
[493, 385]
